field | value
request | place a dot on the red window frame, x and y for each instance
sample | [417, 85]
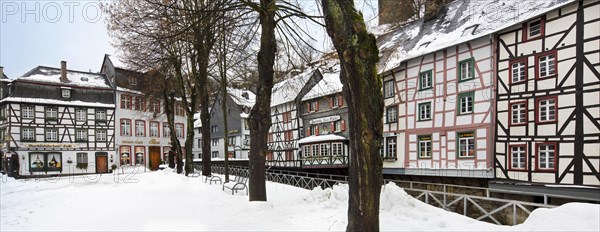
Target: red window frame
[182, 130]
[510, 156]
[537, 110]
[510, 73]
[525, 36]
[158, 129]
[123, 104]
[144, 130]
[510, 113]
[121, 126]
[537, 158]
[537, 64]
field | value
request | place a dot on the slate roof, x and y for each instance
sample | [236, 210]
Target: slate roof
[43, 74]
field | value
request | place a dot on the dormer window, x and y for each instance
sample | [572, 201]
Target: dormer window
[65, 92]
[534, 29]
[132, 81]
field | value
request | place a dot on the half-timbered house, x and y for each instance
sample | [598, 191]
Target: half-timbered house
[143, 136]
[59, 121]
[325, 140]
[286, 124]
[548, 101]
[439, 89]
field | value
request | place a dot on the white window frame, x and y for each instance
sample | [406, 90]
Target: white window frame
[81, 115]
[81, 135]
[388, 89]
[518, 112]
[140, 128]
[125, 127]
[100, 115]
[518, 72]
[547, 65]
[324, 149]
[427, 145]
[424, 111]
[468, 141]
[391, 148]
[51, 113]
[306, 151]
[153, 128]
[467, 104]
[82, 158]
[392, 114]
[426, 80]
[65, 93]
[28, 134]
[179, 130]
[100, 135]
[520, 155]
[27, 112]
[530, 26]
[315, 150]
[544, 151]
[337, 149]
[52, 134]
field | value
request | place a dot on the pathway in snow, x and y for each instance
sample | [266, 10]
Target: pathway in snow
[165, 201]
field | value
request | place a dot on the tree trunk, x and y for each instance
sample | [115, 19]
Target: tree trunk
[358, 54]
[260, 115]
[225, 129]
[175, 144]
[205, 119]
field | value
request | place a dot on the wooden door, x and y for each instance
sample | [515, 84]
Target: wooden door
[101, 163]
[154, 158]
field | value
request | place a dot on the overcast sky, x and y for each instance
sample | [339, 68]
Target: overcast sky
[36, 33]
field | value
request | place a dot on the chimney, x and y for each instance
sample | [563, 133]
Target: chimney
[1, 72]
[395, 11]
[63, 71]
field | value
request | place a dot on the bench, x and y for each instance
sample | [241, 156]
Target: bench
[239, 183]
[212, 178]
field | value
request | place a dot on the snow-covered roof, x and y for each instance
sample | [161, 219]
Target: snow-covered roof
[242, 97]
[330, 83]
[321, 138]
[288, 89]
[121, 89]
[117, 62]
[56, 102]
[244, 115]
[460, 21]
[75, 78]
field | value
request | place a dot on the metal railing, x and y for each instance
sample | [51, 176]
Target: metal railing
[475, 202]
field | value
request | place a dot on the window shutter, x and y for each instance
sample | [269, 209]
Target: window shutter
[316, 130]
[331, 102]
[332, 127]
[308, 131]
[343, 125]
[317, 106]
[341, 100]
[307, 107]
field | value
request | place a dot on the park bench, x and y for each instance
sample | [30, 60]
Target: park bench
[212, 178]
[238, 183]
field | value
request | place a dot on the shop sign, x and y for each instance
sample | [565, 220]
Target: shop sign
[325, 119]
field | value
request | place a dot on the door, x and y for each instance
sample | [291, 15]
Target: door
[101, 163]
[154, 153]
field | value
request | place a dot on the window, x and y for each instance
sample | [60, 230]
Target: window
[51, 113]
[547, 110]
[518, 113]
[132, 80]
[179, 110]
[100, 115]
[426, 80]
[465, 70]
[324, 150]
[179, 130]
[154, 129]
[140, 104]
[140, 128]
[215, 154]
[425, 146]
[391, 148]
[81, 135]
[101, 135]
[125, 127]
[166, 130]
[215, 142]
[125, 101]
[27, 112]
[518, 157]
[337, 149]
[392, 114]
[155, 106]
[424, 111]
[125, 155]
[81, 115]
[546, 65]
[27, 134]
[466, 102]
[214, 129]
[388, 89]
[199, 143]
[139, 155]
[82, 158]
[65, 93]
[51, 134]
[334, 101]
[315, 150]
[546, 156]
[306, 151]
[466, 144]
[518, 71]
[231, 141]
[312, 106]
[533, 29]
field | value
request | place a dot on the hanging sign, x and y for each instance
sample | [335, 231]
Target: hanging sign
[325, 119]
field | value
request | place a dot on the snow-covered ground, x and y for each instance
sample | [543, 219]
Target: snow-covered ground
[165, 201]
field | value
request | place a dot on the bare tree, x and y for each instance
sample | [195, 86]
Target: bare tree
[358, 54]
